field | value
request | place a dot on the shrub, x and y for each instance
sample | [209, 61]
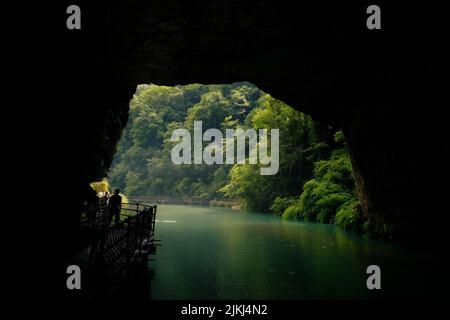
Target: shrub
[349, 216]
[329, 204]
[100, 186]
[280, 204]
[320, 200]
[292, 212]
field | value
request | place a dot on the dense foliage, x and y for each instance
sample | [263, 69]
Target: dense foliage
[314, 181]
[329, 197]
[142, 165]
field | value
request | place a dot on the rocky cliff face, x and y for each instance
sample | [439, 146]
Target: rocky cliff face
[385, 88]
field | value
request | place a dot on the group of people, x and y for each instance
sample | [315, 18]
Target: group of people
[114, 203]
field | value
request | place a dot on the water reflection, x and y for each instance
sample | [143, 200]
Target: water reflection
[215, 253]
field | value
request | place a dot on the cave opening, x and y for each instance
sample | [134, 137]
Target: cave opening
[384, 90]
[312, 158]
[240, 214]
[208, 203]
[316, 182]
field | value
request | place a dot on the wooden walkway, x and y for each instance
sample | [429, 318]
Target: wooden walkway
[114, 247]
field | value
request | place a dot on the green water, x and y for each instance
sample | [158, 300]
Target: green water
[216, 253]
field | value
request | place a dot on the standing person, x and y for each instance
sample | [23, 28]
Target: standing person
[115, 204]
[104, 199]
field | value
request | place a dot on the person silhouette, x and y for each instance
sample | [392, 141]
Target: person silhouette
[115, 205]
[104, 199]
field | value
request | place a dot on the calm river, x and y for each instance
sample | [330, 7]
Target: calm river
[216, 253]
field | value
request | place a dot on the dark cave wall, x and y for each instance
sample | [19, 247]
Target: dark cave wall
[383, 87]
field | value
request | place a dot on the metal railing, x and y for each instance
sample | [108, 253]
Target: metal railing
[117, 244]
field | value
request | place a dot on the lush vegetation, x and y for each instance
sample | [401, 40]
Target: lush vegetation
[142, 165]
[329, 197]
[314, 181]
[101, 187]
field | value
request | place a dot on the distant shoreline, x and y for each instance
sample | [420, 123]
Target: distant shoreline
[232, 204]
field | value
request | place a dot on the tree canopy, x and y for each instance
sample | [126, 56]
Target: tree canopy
[314, 181]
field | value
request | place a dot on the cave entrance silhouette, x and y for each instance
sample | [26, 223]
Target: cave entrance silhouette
[383, 89]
